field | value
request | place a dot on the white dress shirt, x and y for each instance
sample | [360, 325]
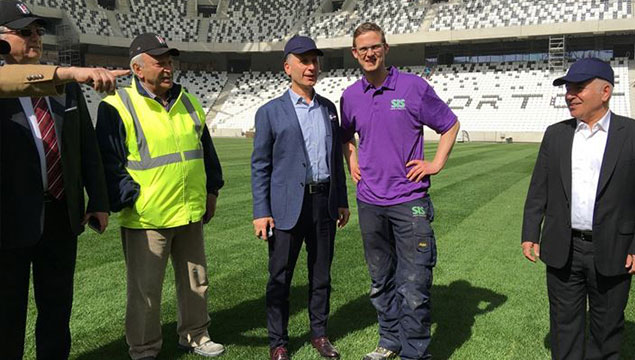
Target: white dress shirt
[586, 161]
[27, 106]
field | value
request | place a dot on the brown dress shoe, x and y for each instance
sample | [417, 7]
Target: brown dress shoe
[279, 353]
[325, 348]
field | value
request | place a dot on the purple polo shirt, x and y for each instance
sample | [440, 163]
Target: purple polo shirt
[389, 122]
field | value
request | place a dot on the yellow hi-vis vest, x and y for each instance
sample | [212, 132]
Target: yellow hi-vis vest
[165, 157]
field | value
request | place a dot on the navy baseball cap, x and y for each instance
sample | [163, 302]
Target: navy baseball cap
[299, 45]
[5, 48]
[151, 44]
[587, 69]
[16, 15]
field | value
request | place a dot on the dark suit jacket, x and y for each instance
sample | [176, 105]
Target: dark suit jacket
[21, 188]
[549, 198]
[279, 161]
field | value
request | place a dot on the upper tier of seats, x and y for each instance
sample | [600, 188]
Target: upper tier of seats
[276, 20]
[167, 18]
[394, 16]
[260, 20]
[479, 14]
[92, 22]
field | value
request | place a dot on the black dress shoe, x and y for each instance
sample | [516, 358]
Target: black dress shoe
[325, 348]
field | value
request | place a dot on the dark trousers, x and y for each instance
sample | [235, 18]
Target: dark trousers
[53, 262]
[317, 229]
[400, 251]
[569, 288]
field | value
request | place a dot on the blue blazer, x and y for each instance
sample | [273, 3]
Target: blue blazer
[279, 161]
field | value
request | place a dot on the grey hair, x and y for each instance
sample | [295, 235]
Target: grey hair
[2, 30]
[604, 83]
[138, 59]
[286, 59]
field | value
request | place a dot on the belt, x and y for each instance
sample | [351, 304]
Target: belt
[316, 188]
[584, 235]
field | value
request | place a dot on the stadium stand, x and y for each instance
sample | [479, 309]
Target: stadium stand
[91, 21]
[511, 96]
[275, 20]
[252, 90]
[394, 16]
[327, 25]
[259, 20]
[94, 22]
[514, 97]
[508, 96]
[478, 14]
[164, 17]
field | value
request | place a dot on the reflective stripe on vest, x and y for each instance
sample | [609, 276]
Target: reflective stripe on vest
[148, 162]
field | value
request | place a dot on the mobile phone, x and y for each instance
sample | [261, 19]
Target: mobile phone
[94, 224]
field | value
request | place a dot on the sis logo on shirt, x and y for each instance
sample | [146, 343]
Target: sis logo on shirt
[398, 104]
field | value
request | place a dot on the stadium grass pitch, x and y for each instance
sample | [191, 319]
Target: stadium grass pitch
[488, 301]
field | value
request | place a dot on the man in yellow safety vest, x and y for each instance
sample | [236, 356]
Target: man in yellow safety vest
[163, 176]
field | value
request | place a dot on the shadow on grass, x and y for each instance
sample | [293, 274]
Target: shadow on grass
[233, 327]
[355, 315]
[628, 343]
[454, 310]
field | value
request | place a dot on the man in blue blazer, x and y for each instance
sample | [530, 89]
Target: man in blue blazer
[299, 193]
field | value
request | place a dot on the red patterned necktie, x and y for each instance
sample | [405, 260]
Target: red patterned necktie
[51, 149]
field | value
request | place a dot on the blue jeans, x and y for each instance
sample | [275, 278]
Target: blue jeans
[400, 251]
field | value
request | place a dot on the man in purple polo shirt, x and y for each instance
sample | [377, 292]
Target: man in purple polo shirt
[388, 109]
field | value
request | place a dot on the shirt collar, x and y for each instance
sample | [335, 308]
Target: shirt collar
[389, 82]
[296, 99]
[603, 124]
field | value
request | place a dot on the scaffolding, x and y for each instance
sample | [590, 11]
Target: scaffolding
[557, 60]
[68, 47]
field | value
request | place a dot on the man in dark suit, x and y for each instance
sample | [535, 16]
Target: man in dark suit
[299, 193]
[48, 157]
[582, 193]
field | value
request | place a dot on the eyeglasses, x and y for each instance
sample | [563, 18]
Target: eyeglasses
[374, 48]
[26, 32]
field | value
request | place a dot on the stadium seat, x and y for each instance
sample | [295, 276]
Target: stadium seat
[499, 97]
[480, 14]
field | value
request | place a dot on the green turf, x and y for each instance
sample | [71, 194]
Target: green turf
[488, 302]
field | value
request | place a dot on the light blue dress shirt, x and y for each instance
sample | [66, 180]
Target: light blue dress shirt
[313, 124]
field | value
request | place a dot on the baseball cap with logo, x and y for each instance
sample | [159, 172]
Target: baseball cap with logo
[5, 48]
[16, 15]
[151, 44]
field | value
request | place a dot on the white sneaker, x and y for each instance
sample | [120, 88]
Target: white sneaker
[208, 349]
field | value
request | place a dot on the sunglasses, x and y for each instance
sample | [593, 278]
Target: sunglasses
[26, 32]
